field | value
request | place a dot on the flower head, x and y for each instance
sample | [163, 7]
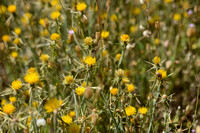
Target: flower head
[114, 91]
[14, 54]
[32, 76]
[16, 84]
[90, 60]
[17, 31]
[114, 17]
[16, 41]
[130, 110]
[104, 34]
[55, 36]
[161, 74]
[8, 109]
[69, 79]
[40, 122]
[44, 57]
[80, 90]
[12, 99]
[72, 113]
[2, 9]
[156, 60]
[74, 128]
[53, 105]
[125, 38]
[117, 57]
[177, 16]
[143, 110]
[81, 6]
[88, 40]
[55, 14]
[6, 38]
[12, 8]
[130, 88]
[67, 119]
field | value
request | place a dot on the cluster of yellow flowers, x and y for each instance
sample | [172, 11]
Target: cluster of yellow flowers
[32, 76]
[130, 110]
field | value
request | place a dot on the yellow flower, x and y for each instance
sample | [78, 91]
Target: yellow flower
[12, 99]
[16, 41]
[168, 1]
[44, 57]
[3, 102]
[43, 21]
[105, 52]
[125, 38]
[177, 16]
[127, 73]
[28, 15]
[130, 110]
[55, 36]
[90, 61]
[80, 91]
[12, 8]
[161, 74]
[29, 121]
[54, 2]
[125, 80]
[72, 113]
[31, 70]
[114, 91]
[132, 29]
[67, 119]
[156, 60]
[14, 54]
[114, 17]
[16, 84]
[6, 38]
[83, 84]
[52, 105]
[143, 110]
[157, 41]
[32, 76]
[35, 104]
[136, 11]
[81, 6]
[55, 14]
[17, 31]
[69, 79]
[74, 128]
[104, 15]
[2, 9]
[8, 109]
[88, 40]
[117, 57]
[130, 88]
[104, 34]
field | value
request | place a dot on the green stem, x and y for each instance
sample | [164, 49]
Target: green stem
[154, 107]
